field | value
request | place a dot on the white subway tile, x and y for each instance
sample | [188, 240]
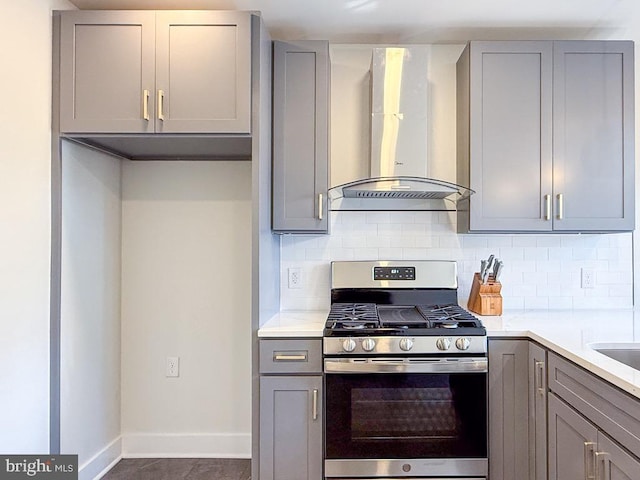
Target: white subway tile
[414, 228]
[414, 253]
[474, 241]
[536, 302]
[548, 241]
[513, 303]
[365, 254]
[403, 241]
[378, 217]
[378, 242]
[354, 241]
[561, 303]
[390, 253]
[537, 254]
[509, 254]
[402, 217]
[525, 241]
[614, 278]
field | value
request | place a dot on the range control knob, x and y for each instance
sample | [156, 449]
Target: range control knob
[443, 343]
[406, 344]
[348, 344]
[368, 344]
[463, 343]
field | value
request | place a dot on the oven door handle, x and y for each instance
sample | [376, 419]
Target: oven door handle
[405, 365]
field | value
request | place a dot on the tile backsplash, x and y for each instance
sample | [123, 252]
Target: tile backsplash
[540, 271]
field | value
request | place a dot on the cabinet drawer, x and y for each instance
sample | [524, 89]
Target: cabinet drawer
[291, 356]
[612, 410]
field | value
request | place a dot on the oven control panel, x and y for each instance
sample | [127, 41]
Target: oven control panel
[404, 345]
[394, 273]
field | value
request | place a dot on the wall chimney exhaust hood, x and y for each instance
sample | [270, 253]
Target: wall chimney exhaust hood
[399, 130]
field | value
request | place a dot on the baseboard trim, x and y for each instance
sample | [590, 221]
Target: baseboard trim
[98, 465]
[200, 445]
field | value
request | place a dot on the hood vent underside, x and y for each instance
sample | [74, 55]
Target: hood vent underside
[417, 188]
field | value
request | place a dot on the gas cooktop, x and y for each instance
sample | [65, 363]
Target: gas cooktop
[360, 319]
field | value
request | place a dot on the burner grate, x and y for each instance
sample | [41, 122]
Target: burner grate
[448, 316]
[353, 316]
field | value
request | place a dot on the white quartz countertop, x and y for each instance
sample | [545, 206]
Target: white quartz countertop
[566, 332]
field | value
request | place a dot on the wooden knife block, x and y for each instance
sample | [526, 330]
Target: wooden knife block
[485, 298]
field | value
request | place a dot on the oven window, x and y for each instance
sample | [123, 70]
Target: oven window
[406, 415]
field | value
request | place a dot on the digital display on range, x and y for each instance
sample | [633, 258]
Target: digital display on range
[394, 273]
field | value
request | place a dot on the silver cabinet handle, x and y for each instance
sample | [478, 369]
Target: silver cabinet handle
[290, 357]
[540, 377]
[547, 207]
[314, 404]
[606, 466]
[161, 105]
[320, 206]
[589, 460]
[560, 206]
[145, 105]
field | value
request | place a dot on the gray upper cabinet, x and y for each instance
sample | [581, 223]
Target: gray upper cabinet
[545, 136]
[504, 118]
[300, 137]
[203, 72]
[107, 63]
[155, 72]
[593, 135]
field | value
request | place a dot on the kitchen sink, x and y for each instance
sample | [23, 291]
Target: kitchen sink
[627, 353]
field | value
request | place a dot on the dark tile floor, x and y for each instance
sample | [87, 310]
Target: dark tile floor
[180, 469]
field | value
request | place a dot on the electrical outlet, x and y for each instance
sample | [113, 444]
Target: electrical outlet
[295, 277]
[588, 278]
[173, 367]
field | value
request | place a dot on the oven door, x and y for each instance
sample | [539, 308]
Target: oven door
[396, 417]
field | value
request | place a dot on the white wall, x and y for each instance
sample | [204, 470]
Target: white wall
[90, 308]
[25, 158]
[541, 271]
[186, 292]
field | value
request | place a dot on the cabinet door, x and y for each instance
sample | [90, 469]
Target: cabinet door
[593, 135]
[510, 135]
[106, 68]
[300, 136]
[572, 443]
[203, 72]
[614, 463]
[291, 428]
[537, 412]
[508, 409]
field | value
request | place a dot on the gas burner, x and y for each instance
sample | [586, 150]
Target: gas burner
[446, 324]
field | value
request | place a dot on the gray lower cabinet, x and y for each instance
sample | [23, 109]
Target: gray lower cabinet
[537, 412]
[579, 450]
[300, 137]
[572, 443]
[291, 409]
[594, 428]
[508, 409]
[290, 428]
[546, 136]
[155, 72]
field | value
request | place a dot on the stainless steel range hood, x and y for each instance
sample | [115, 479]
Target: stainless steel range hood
[399, 132]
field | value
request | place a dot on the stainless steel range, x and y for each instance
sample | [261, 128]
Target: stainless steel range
[405, 374]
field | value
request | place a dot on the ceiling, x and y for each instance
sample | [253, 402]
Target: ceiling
[420, 21]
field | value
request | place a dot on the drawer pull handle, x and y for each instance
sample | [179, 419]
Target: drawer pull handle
[314, 404]
[540, 377]
[145, 105]
[606, 466]
[290, 357]
[589, 460]
[560, 206]
[161, 105]
[547, 207]
[320, 206]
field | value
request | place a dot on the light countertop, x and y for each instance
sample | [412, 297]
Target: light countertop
[566, 332]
